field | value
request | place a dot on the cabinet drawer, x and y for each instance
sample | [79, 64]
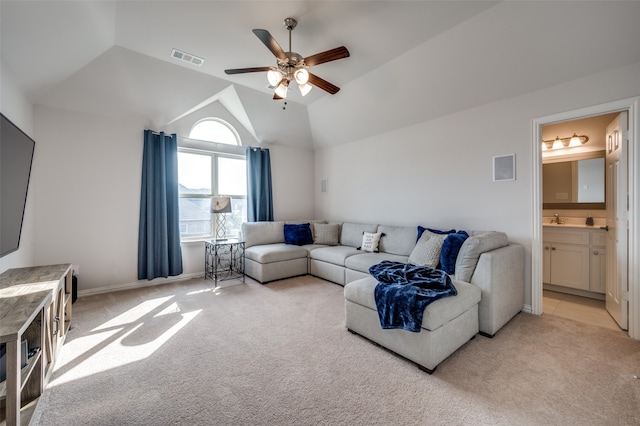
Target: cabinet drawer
[567, 236]
[599, 238]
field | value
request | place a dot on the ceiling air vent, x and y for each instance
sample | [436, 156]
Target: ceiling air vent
[186, 57]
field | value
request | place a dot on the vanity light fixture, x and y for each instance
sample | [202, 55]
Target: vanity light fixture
[568, 142]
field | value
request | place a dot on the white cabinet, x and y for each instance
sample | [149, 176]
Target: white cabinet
[598, 281]
[574, 258]
[546, 263]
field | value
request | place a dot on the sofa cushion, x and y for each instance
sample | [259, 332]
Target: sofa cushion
[257, 233]
[370, 241]
[275, 252]
[298, 234]
[477, 243]
[335, 254]
[435, 315]
[326, 233]
[397, 239]
[363, 261]
[351, 233]
[427, 250]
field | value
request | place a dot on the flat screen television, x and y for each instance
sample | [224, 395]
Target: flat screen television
[16, 156]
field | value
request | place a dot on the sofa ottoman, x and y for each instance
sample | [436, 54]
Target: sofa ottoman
[267, 257]
[448, 323]
[271, 262]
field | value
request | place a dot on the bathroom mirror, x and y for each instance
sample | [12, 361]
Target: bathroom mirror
[575, 182]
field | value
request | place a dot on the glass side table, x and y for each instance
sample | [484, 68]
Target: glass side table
[223, 260]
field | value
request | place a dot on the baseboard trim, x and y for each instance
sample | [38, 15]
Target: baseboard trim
[139, 284]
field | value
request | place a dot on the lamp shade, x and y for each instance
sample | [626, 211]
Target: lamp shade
[220, 204]
[281, 90]
[274, 77]
[304, 88]
[301, 76]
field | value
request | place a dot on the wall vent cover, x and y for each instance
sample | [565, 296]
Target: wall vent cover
[186, 57]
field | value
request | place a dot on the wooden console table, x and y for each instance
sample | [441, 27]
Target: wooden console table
[35, 305]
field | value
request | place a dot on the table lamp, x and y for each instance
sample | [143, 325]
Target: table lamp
[220, 206]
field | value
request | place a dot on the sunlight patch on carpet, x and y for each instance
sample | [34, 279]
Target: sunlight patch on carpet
[134, 314]
[131, 337]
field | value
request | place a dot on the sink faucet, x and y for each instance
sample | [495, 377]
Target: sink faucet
[557, 219]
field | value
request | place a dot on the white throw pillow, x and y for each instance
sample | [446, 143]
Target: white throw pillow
[370, 241]
[325, 233]
[427, 250]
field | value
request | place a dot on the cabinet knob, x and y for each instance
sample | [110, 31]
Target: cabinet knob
[553, 248]
[546, 247]
[595, 252]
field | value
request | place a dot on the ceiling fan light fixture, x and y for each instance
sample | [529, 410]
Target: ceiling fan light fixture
[281, 90]
[301, 76]
[291, 65]
[305, 88]
[274, 77]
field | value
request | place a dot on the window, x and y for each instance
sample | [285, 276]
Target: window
[203, 174]
[215, 130]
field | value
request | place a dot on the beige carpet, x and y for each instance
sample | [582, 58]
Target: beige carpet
[246, 354]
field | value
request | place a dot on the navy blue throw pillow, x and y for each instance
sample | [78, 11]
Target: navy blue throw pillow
[450, 249]
[298, 234]
[435, 231]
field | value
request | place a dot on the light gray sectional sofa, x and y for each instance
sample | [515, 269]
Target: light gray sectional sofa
[489, 278]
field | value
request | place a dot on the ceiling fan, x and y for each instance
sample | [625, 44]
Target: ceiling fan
[293, 67]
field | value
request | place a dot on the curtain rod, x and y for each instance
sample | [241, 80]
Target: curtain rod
[158, 133]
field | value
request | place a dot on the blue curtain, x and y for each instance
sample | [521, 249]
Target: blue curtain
[159, 252]
[259, 196]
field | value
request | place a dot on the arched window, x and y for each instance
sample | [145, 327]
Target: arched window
[207, 170]
[214, 129]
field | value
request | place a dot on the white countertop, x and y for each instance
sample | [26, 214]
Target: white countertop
[574, 222]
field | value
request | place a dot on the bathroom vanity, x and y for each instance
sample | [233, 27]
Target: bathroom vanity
[574, 259]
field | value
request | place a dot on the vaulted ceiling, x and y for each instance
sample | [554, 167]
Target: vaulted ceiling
[410, 61]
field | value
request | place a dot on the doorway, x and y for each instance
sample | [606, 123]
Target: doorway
[573, 188]
[632, 106]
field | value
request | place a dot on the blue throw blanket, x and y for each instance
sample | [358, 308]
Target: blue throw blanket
[404, 291]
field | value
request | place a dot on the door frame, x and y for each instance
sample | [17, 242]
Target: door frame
[632, 105]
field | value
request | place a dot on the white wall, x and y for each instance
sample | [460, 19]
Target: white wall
[439, 172]
[292, 178]
[17, 108]
[86, 181]
[86, 178]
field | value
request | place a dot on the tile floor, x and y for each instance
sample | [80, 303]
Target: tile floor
[583, 309]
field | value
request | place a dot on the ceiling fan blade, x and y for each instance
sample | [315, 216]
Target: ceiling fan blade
[245, 70]
[328, 56]
[323, 84]
[271, 43]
